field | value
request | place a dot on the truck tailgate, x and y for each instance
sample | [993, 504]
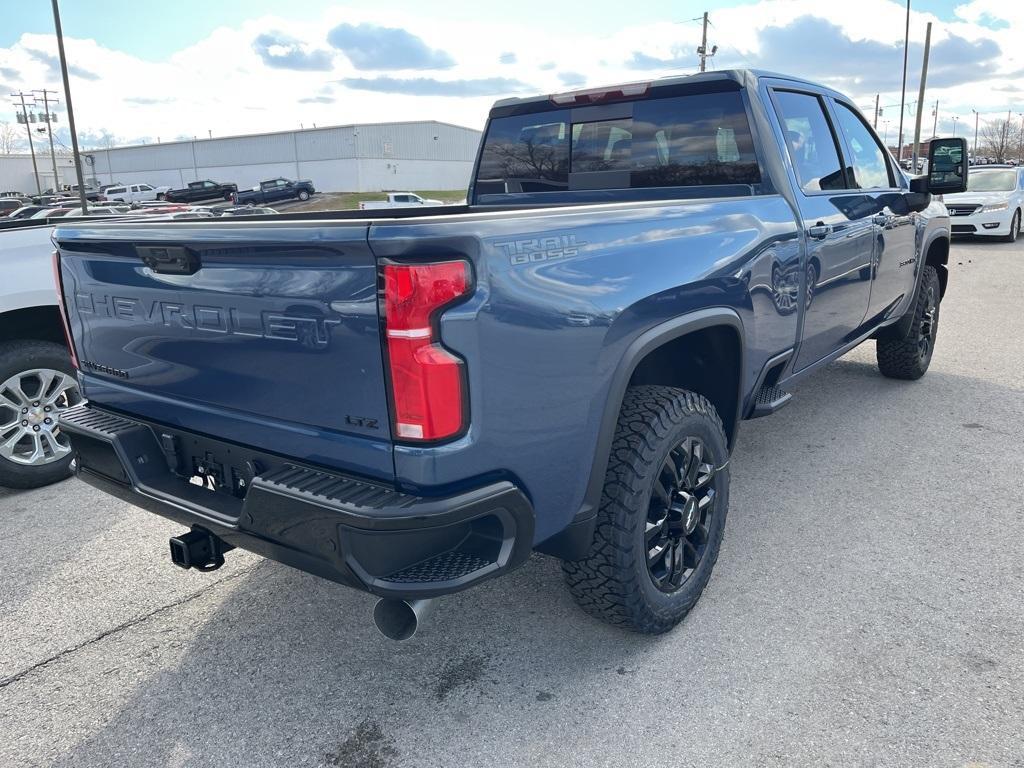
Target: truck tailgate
[266, 335]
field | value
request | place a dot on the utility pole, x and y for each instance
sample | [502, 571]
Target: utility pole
[49, 130]
[71, 111]
[703, 50]
[1020, 138]
[903, 92]
[975, 151]
[935, 122]
[1006, 137]
[31, 146]
[875, 123]
[920, 95]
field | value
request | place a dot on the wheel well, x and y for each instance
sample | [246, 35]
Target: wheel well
[938, 257]
[38, 323]
[707, 361]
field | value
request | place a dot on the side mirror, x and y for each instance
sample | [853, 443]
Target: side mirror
[947, 166]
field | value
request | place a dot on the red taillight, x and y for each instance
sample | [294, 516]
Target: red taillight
[427, 383]
[63, 310]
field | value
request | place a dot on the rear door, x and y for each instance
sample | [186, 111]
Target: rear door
[839, 231]
[268, 336]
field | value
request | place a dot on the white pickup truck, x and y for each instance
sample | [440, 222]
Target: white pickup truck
[398, 200]
[37, 380]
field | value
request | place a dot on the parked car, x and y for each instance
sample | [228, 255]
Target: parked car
[200, 190]
[992, 204]
[25, 211]
[37, 380]
[411, 404]
[91, 193]
[247, 210]
[134, 193]
[9, 205]
[398, 200]
[100, 210]
[275, 189]
[45, 213]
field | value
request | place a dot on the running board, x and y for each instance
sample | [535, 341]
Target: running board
[769, 399]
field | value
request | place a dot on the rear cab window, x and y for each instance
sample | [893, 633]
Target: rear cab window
[677, 142]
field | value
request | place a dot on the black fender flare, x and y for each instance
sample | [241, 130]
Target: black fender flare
[638, 349]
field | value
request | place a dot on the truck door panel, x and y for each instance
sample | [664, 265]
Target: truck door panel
[836, 279]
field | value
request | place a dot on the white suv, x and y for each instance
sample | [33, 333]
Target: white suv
[992, 204]
[134, 193]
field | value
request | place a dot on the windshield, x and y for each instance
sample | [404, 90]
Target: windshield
[694, 140]
[991, 181]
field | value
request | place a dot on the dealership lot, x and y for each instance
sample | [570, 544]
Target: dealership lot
[866, 609]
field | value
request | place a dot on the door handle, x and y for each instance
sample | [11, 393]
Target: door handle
[819, 231]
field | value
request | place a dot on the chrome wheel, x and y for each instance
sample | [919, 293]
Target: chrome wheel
[30, 406]
[680, 513]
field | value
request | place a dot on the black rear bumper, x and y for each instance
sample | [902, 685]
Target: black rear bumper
[354, 531]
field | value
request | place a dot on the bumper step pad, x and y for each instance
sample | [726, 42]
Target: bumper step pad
[353, 530]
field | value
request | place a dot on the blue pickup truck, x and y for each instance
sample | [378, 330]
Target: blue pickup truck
[411, 403]
[273, 190]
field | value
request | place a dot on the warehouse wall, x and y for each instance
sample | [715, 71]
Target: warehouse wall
[16, 172]
[353, 158]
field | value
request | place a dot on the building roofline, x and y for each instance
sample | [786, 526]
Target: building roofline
[199, 139]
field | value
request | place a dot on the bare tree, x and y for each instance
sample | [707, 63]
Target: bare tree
[1000, 139]
[10, 139]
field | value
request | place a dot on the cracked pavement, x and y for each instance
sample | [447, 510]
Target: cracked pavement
[865, 610]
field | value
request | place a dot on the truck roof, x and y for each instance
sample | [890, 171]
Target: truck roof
[742, 77]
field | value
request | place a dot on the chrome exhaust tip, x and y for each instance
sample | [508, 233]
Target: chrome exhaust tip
[399, 619]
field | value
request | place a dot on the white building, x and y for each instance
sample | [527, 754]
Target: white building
[373, 157]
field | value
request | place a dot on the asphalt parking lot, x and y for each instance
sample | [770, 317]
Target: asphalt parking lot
[865, 610]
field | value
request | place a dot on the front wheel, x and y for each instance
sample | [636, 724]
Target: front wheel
[1011, 237]
[908, 356]
[662, 514]
[303, 195]
[37, 383]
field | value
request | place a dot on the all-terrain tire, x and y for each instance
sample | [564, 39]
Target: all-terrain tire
[614, 581]
[908, 355]
[17, 357]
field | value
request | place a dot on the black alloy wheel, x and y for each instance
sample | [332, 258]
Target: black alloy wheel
[680, 514]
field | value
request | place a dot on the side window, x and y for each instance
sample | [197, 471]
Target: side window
[870, 171]
[810, 141]
[145, 187]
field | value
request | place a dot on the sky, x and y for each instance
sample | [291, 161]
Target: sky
[160, 71]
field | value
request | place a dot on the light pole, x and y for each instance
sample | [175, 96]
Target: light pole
[71, 111]
[975, 151]
[903, 91]
[885, 138]
[955, 118]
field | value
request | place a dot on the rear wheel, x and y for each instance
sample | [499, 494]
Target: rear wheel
[908, 356]
[662, 514]
[37, 383]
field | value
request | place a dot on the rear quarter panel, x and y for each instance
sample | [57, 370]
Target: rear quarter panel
[560, 296]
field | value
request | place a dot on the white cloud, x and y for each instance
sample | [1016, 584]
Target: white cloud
[223, 83]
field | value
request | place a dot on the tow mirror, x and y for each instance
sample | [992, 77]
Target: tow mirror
[947, 166]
